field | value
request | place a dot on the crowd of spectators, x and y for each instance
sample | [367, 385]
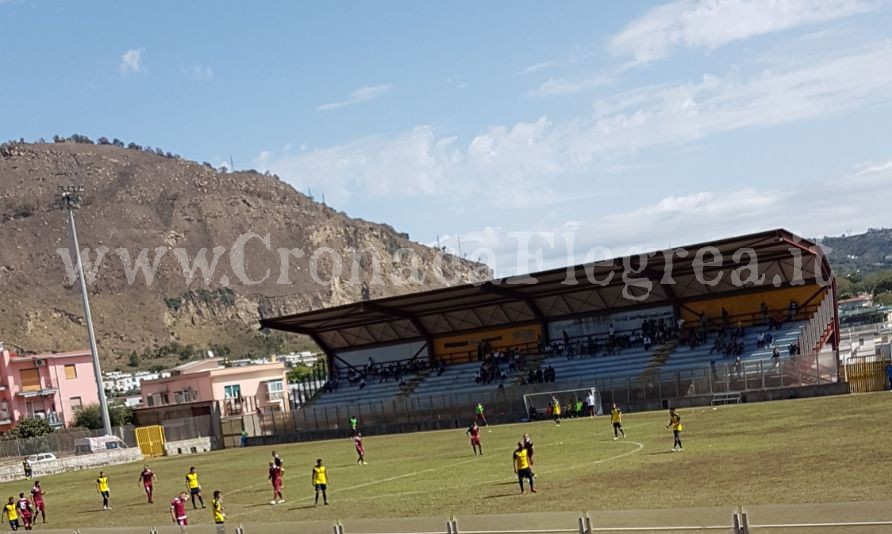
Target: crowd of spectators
[539, 375]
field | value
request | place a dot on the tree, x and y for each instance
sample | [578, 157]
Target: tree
[30, 427]
[89, 416]
[103, 141]
[134, 359]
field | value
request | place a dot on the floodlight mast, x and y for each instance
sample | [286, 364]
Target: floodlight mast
[70, 199]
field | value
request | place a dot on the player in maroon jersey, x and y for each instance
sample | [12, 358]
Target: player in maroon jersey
[275, 476]
[147, 478]
[37, 498]
[26, 513]
[360, 449]
[474, 433]
[178, 509]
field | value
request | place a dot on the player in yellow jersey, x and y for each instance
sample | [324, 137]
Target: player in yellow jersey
[319, 478]
[219, 514]
[12, 515]
[556, 410]
[522, 467]
[675, 424]
[103, 489]
[616, 417]
[194, 487]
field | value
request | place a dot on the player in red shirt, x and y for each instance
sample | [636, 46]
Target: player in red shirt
[26, 513]
[474, 433]
[178, 509]
[37, 497]
[275, 476]
[147, 478]
[360, 450]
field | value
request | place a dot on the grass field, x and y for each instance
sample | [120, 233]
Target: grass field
[804, 451]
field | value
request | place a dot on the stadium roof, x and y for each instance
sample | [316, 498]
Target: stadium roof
[586, 289]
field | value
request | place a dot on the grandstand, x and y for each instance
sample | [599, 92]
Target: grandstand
[668, 327]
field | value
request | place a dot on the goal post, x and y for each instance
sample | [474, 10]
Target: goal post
[538, 405]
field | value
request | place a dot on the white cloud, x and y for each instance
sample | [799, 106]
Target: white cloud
[131, 62]
[564, 86]
[199, 72]
[516, 165]
[363, 94]
[857, 201]
[711, 24]
[539, 66]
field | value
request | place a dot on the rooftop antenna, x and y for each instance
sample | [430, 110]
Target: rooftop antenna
[231, 165]
[460, 252]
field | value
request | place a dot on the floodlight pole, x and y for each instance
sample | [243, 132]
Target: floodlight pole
[70, 201]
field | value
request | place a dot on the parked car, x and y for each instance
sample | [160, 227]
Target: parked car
[41, 458]
[99, 444]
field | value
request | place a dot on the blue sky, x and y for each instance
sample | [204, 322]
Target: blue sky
[625, 124]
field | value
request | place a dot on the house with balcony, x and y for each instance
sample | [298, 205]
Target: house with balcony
[258, 388]
[49, 386]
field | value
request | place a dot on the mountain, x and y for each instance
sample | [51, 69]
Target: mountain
[296, 254]
[870, 251]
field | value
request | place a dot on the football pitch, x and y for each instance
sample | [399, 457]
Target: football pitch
[833, 449]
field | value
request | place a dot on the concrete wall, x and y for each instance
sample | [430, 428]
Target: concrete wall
[188, 446]
[9, 473]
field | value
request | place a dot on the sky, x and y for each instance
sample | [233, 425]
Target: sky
[573, 130]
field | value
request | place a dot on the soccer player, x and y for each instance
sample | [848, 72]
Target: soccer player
[194, 487]
[37, 497]
[11, 513]
[530, 448]
[522, 467]
[616, 417]
[103, 489]
[147, 478]
[319, 479]
[219, 514]
[178, 510]
[360, 449]
[275, 476]
[478, 413]
[556, 410]
[25, 512]
[675, 423]
[26, 466]
[280, 464]
[474, 433]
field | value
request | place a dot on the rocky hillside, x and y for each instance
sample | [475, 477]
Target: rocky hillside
[867, 252]
[277, 251]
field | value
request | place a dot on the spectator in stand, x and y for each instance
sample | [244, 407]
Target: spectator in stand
[775, 357]
[726, 318]
[760, 340]
[738, 367]
[646, 342]
[793, 349]
[793, 307]
[763, 309]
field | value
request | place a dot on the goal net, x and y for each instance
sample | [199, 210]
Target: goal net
[574, 403]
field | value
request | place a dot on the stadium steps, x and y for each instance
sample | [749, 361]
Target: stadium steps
[410, 386]
[659, 359]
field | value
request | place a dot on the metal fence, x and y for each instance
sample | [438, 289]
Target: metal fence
[60, 443]
[188, 428]
[692, 386]
[739, 521]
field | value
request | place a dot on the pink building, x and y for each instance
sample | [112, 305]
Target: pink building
[50, 386]
[208, 380]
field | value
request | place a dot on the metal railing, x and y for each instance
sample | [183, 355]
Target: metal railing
[737, 522]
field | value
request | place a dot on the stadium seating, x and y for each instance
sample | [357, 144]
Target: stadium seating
[684, 358]
[458, 377]
[372, 392]
[628, 363]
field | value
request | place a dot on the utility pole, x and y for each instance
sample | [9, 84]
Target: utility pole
[70, 198]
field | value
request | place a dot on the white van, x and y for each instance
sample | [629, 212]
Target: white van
[99, 444]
